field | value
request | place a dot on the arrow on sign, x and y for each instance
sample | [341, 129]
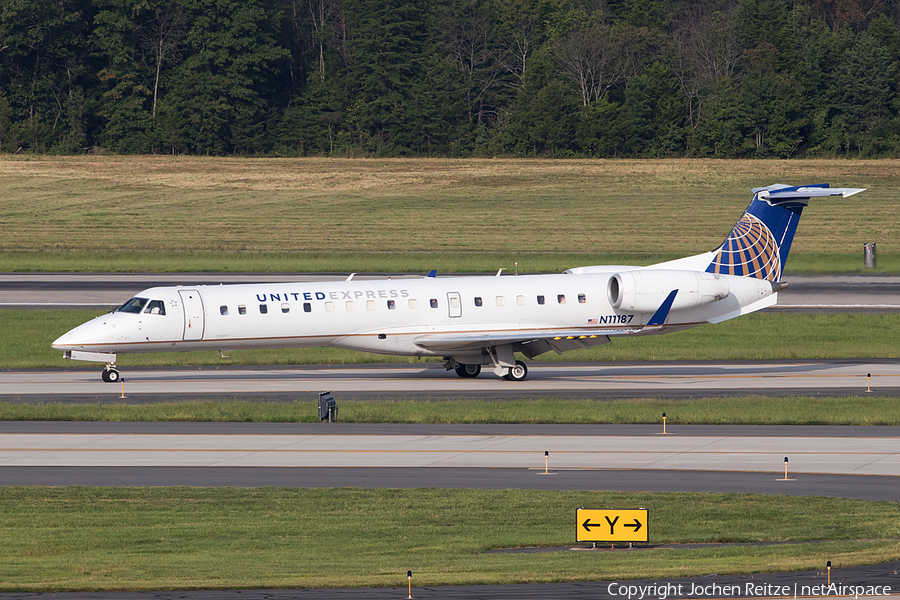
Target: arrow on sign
[636, 525]
[587, 524]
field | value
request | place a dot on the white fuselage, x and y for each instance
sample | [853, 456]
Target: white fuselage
[385, 316]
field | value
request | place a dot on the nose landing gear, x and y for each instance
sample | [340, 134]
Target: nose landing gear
[517, 373]
[110, 374]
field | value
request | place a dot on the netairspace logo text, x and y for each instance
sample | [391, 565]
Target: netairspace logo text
[661, 591]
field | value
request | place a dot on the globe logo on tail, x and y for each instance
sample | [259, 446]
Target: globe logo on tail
[749, 251]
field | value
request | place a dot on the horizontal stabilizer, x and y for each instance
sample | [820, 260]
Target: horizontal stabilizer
[807, 191]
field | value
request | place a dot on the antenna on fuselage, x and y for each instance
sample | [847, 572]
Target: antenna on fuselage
[351, 277]
[500, 271]
[432, 274]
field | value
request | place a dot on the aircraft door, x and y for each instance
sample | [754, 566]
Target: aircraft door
[193, 314]
[455, 304]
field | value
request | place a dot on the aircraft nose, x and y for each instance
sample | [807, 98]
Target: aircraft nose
[74, 339]
[63, 342]
[89, 334]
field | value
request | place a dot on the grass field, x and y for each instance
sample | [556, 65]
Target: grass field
[186, 538]
[868, 409]
[217, 214]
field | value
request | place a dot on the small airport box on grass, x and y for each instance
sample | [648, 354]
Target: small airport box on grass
[327, 407]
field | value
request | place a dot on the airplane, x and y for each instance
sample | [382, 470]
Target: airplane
[469, 321]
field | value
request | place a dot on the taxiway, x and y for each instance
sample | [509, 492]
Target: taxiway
[670, 379]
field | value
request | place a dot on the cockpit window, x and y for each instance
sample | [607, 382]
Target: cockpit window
[156, 307]
[133, 306]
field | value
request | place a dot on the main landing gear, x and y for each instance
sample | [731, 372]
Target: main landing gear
[468, 371]
[110, 374]
[517, 372]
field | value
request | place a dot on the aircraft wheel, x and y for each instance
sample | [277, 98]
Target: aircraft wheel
[110, 375]
[517, 373]
[468, 371]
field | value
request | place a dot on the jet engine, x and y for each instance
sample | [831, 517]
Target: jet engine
[646, 289]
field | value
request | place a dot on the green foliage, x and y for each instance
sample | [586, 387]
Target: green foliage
[751, 78]
[5, 123]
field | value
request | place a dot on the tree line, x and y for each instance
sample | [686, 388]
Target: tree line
[604, 78]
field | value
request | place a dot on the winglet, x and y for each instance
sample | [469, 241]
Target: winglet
[659, 317]
[432, 273]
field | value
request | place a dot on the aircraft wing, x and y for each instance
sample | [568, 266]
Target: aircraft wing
[447, 342]
[537, 341]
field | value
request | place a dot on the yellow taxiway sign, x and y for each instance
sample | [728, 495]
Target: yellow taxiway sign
[612, 525]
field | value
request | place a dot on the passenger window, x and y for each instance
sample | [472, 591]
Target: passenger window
[370, 304]
[223, 310]
[391, 305]
[242, 310]
[350, 305]
[307, 307]
[540, 299]
[582, 298]
[561, 298]
[413, 303]
[285, 307]
[329, 307]
[454, 302]
[263, 309]
[520, 300]
[478, 301]
[156, 307]
[501, 301]
[434, 303]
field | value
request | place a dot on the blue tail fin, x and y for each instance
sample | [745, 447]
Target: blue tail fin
[758, 245]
